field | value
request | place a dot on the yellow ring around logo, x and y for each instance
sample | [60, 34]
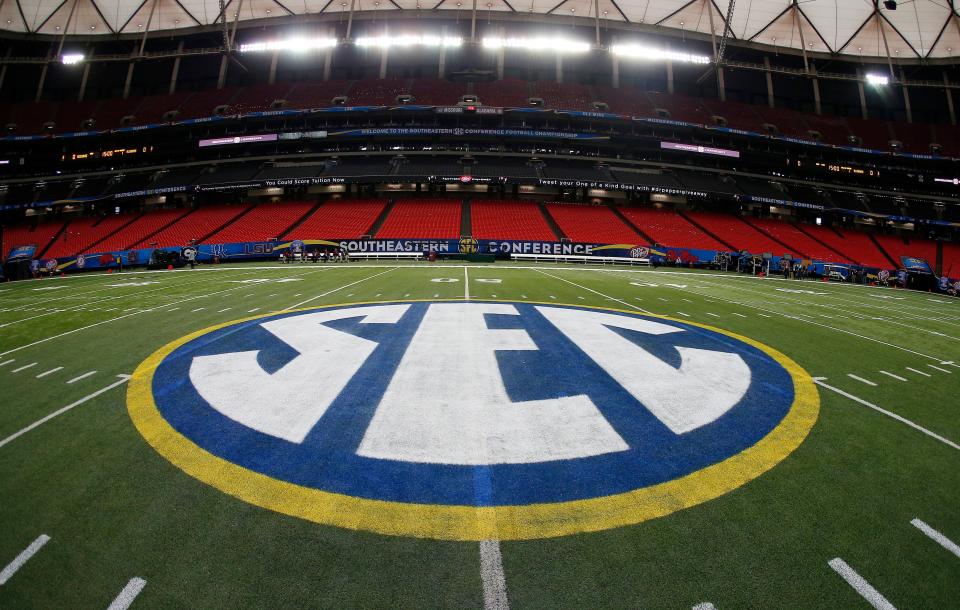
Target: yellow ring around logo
[451, 522]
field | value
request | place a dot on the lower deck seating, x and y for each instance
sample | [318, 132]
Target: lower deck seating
[670, 229]
[347, 219]
[423, 218]
[23, 235]
[734, 231]
[509, 220]
[83, 233]
[856, 246]
[265, 222]
[136, 231]
[194, 226]
[799, 242]
[591, 224]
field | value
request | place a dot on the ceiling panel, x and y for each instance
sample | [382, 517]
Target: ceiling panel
[847, 26]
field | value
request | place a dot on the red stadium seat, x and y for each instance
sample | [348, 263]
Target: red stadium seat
[509, 220]
[734, 231]
[422, 218]
[83, 233]
[592, 224]
[857, 246]
[348, 219]
[265, 222]
[670, 229]
[194, 226]
[23, 235]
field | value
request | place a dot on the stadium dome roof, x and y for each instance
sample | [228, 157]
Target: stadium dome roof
[917, 29]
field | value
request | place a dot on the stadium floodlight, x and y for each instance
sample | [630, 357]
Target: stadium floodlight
[295, 45]
[878, 80]
[556, 44]
[69, 59]
[416, 40]
[640, 51]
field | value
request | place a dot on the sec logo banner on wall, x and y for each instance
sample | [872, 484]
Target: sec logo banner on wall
[471, 420]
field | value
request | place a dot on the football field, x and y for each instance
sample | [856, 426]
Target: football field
[176, 439]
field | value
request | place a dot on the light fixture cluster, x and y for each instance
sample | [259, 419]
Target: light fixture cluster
[295, 45]
[69, 59]
[555, 44]
[641, 51]
[416, 40]
[878, 80]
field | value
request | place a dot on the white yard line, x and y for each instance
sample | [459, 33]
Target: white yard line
[6, 362]
[254, 310]
[130, 592]
[225, 309]
[491, 574]
[137, 294]
[918, 372]
[329, 292]
[937, 537]
[466, 285]
[712, 314]
[933, 366]
[23, 368]
[11, 568]
[50, 372]
[820, 382]
[860, 585]
[685, 315]
[897, 377]
[704, 606]
[197, 309]
[809, 322]
[861, 379]
[102, 322]
[84, 376]
[733, 313]
[631, 305]
[61, 411]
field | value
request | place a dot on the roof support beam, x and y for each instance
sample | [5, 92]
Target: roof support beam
[473, 22]
[353, 4]
[803, 42]
[63, 37]
[143, 40]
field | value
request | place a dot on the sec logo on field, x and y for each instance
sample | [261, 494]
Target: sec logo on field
[471, 420]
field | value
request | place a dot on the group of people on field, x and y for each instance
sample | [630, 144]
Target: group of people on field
[334, 255]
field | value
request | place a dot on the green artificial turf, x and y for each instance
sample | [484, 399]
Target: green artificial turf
[114, 508]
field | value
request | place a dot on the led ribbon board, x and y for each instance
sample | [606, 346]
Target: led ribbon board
[449, 420]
